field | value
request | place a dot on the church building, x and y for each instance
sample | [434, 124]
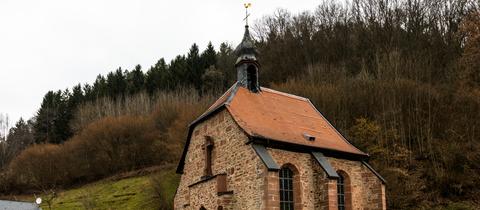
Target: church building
[258, 148]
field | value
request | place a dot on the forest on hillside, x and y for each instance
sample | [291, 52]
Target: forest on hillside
[399, 78]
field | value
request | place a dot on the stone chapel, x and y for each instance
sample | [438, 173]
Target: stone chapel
[258, 148]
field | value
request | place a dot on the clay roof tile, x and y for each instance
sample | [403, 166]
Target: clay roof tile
[278, 116]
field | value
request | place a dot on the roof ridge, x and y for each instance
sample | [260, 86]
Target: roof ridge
[285, 94]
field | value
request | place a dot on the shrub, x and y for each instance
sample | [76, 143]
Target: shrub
[165, 185]
[104, 147]
[39, 166]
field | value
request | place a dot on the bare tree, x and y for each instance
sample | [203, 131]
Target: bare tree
[4, 126]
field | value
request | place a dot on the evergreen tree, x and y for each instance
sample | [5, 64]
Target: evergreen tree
[88, 93]
[116, 83]
[64, 115]
[179, 70]
[52, 121]
[209, 56]
[77, 97]
[136, 80]
[100, 87]
[194, 66]
[19, 137]
[74, 99]
[158, 77]
[225, 64]
[47, 117]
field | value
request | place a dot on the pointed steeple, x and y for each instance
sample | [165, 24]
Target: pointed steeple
[246, 49]
[247, 64]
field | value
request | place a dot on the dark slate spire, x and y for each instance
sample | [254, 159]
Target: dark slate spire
[247, 64]
[246, 49]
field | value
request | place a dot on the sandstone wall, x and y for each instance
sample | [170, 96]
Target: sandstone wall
[319, 192]
[230, 155]
[367, 190]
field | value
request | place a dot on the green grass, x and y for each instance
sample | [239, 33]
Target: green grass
[152, 191]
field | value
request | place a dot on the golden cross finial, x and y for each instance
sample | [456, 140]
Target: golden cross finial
[247, 5]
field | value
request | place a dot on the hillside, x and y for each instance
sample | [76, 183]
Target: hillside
[142, 189]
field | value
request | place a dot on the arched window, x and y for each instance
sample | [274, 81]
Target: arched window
[203, 208]
[252, 78]
[341, 192]
[344, 191]
[286, 189]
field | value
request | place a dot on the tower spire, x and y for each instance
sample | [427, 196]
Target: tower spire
[247, 65]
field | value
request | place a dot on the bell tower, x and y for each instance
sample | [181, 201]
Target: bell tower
[247, 65]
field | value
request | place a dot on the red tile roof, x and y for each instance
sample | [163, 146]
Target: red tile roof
[277, 116]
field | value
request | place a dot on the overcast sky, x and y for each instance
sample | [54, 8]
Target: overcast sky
[50, 45]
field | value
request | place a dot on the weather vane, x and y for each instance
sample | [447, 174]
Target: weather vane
[247, 5]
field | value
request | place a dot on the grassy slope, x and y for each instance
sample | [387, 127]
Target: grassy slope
[139, 192]
[129, 193]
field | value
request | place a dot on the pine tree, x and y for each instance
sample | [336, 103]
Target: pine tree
[99, 88]
[225, 62]
[179, 70]
[46, 118]
[209, 57]
[20, 136]
[136, 80]
[88, 93]
[77, 97]
[62, 120]
[73, 101]
[116, 83]
[194, 66]
[158, 77]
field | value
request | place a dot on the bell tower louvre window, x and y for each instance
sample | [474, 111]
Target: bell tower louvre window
[252, 78]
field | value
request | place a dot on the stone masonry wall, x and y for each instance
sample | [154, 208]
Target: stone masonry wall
[312, 178]
[319, 192]
[367, 190]
[230, 155]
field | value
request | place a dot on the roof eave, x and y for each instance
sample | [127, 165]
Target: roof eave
[278, 144]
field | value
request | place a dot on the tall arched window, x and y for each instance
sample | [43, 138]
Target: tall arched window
[286, 189]
[341, 192]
